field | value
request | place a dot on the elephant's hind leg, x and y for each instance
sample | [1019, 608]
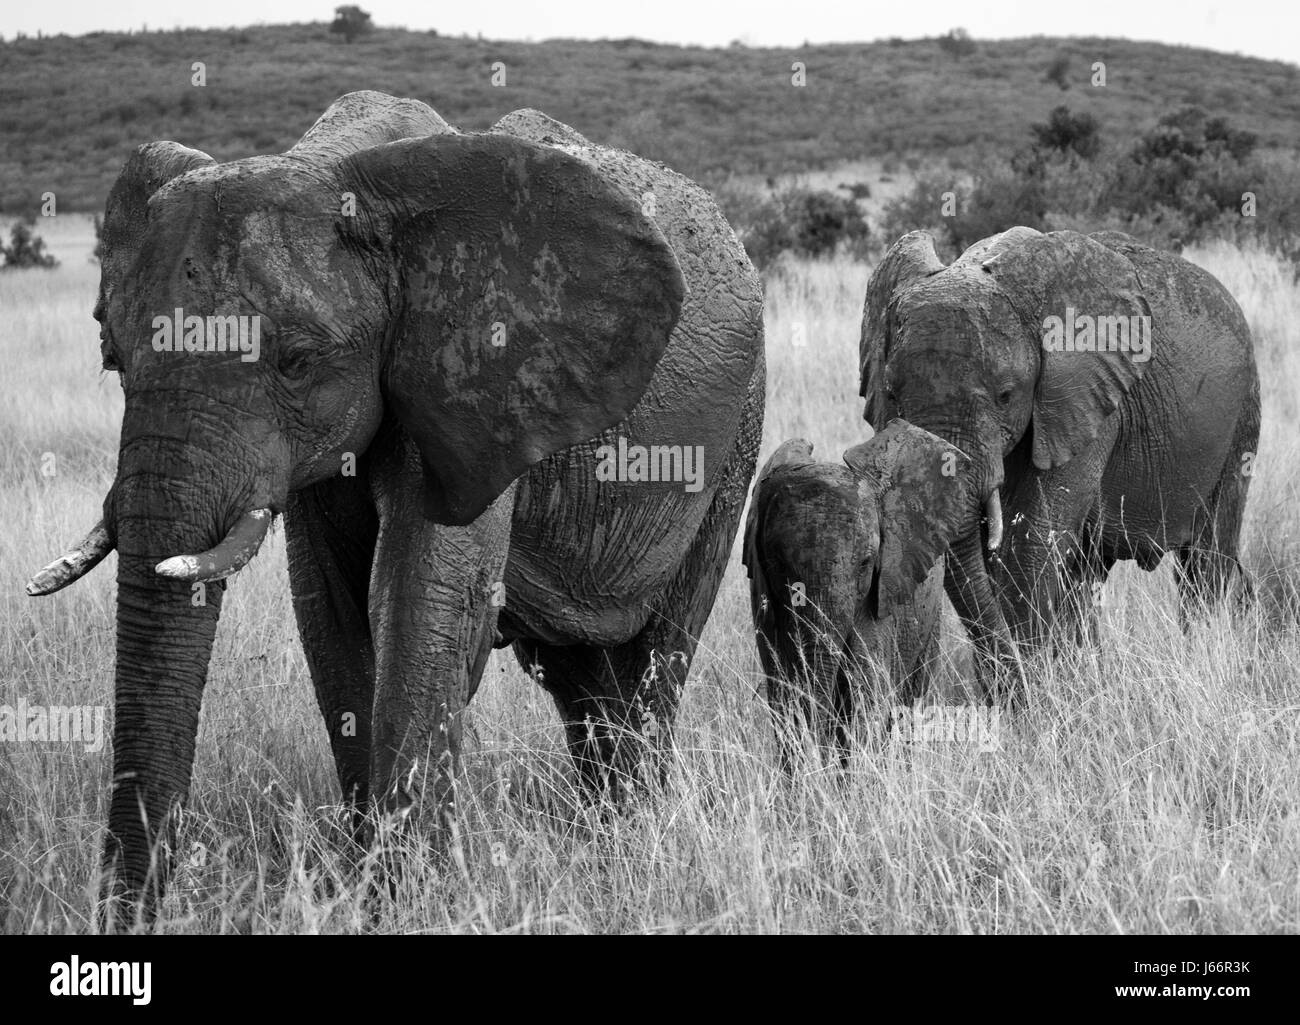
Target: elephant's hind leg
[612, 699]
[618, 703]
[1208, 566]
[330, 529]
[611, 705]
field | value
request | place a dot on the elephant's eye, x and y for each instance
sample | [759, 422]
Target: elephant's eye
[1004, 397]
[295, 361]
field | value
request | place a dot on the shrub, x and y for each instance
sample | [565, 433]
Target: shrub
[1065, 132]
[997, 196]
[921, 209]
[797, 220]
[1058, 71]
[1188, 162]
[26, 249]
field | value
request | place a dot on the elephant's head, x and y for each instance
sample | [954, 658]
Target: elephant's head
[496, 299]
[861, 537]
[910, 486]
[991, 354]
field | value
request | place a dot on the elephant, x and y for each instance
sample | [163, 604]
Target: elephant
[1107, 396]
[846, 578]
[505, 389]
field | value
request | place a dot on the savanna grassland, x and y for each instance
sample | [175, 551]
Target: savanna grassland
[1150, 785]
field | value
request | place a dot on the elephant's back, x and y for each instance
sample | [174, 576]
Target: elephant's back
[590, 555]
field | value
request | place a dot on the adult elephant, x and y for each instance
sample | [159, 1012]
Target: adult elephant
[1107, 396]
[438, 314]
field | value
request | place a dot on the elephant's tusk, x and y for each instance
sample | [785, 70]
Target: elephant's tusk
[228, 558]
[993, 510]
[73, 565]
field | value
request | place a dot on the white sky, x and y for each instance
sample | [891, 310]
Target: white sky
[1260, 28]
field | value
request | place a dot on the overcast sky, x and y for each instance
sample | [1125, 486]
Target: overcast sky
[1260, 28]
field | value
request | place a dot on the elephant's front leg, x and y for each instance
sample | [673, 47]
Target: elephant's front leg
[1051, 580]
[435, 593]
[331, 528]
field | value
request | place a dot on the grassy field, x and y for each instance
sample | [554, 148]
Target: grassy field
[1150, 786]
[73, 108]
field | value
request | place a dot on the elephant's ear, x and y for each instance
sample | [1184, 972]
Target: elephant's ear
[126, 214]
[795, 452]
[910, 258]
[531, 301]
[917, 478]
[1084, 303]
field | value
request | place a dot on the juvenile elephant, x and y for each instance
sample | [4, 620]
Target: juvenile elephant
[423, 318]
[846, 576]
[1108, 398]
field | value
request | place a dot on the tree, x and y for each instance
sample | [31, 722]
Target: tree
[352, 21]
[957, 44]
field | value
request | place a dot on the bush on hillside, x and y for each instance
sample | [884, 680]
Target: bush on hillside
[1184, 180]
[1068, 133]
[1189, 162]
[1058, 71]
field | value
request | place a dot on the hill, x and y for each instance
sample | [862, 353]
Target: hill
[72, 108]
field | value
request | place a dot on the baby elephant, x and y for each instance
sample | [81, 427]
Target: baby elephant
[846, 576]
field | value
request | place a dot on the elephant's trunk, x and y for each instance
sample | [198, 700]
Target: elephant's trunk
[164, 641]
[966, 579]
[168, 498]
[966, 575]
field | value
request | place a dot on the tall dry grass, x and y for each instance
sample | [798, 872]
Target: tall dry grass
[1150, 785]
